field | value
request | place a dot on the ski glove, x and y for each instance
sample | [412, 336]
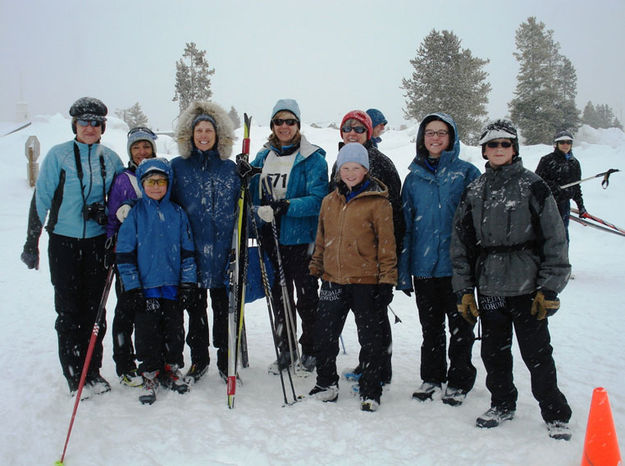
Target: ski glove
[186, 292]
[583, 213]
[280, 207]
[265, 212]
[109, 252]
[545, 304]
[123, 212]
[152, 305]
[467, 307]
[30, 257]
[245, 169]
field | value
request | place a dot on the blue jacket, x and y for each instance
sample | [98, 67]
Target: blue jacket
[429, 201]
[307, 186]
[207, 187]
[59, 175]
[154, 244]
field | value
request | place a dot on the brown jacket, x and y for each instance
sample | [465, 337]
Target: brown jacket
[355, 241]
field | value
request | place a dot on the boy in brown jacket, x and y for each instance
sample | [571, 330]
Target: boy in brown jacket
[356, 260]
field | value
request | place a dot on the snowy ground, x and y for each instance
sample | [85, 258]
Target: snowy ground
[198, 428]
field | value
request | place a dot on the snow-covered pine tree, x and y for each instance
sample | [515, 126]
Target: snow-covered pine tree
[234, 116]
[192, 77]
[448, 79]
[546, 87]
[133, 116]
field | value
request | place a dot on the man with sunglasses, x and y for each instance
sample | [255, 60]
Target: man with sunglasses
[71, 191]
[508, 242]
[357, 126]
[560, 168]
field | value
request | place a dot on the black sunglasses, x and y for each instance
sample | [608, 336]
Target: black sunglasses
[288, 121]
[494, 144]
[358, 129]
[94, 123]
[142, 129]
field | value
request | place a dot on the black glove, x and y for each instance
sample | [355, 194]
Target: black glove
[545, 304]
[30, 256]
[109, 252]
[245, 169]
[385, 294]
[407, 292]
[280, 207]
[186, 293]
[583, 213]
[152, 305]
[467, 307]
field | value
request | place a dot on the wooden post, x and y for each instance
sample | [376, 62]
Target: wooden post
[32, 154]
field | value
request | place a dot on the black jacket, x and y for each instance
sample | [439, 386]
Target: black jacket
[557, 171]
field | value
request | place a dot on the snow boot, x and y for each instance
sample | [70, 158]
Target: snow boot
[559, 430]
[172, 378]
[369, 405]
[280, 364]
[149, 387]
[195, 373]
[453, 396]
[307, 363]
[427, 391]
[493, 417]
[97, 385]
[131, 378]
[325, 394]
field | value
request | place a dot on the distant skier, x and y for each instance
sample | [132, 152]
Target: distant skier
[509, 243]
[558, 169]
[378, 123]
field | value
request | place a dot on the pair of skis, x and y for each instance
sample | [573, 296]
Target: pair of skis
[595, 222]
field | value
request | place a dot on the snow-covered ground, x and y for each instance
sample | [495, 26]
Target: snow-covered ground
[199, 429]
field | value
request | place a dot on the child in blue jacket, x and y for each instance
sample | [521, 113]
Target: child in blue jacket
[155, 259]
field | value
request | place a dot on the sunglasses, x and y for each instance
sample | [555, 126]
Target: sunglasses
[440, 133]
[568, 143]
[85, 123]
[358, 129]
[141, 129]
[153, 182]
[288, 121]
[494, 144]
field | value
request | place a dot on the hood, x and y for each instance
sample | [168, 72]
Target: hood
[455, 148]
[224, 130]
[160, 164]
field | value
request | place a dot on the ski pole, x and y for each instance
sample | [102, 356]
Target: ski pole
[342, 343]
[397, 319]
[85, 367]
[604, 183]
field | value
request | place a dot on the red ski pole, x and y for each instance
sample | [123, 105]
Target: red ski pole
[85, 366]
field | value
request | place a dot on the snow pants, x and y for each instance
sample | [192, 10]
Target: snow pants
[499, 315]
[435, 300]
[198, 334]
[159, 336]
[123, 327]
[78, 275]
[335, 301]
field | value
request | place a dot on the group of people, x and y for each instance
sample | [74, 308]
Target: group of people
[467, 244]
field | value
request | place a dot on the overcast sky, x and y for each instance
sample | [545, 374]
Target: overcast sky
[332, 56]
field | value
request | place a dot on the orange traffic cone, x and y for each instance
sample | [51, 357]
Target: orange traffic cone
[601, 444]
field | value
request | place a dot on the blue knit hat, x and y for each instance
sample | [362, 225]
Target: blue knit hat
[377, 117]
[290, 105]
[353, 152]
[141, 133]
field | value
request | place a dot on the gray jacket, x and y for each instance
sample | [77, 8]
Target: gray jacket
[508, 237]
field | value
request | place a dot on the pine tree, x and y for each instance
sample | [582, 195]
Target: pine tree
[192, 77]
[234, 116]
[601, 116]
[546, 87]
[448, 79]
[133, 116]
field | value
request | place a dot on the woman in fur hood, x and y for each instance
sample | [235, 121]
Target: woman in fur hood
[206, 184]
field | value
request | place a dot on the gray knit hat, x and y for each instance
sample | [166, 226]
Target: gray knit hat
[353, 152]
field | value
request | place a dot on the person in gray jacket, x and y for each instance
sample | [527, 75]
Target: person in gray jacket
[509, 242]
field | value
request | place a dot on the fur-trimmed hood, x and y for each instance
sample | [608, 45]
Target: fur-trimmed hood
[225, 130]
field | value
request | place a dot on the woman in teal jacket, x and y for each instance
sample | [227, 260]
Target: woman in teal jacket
[298, 175]
[430, 195]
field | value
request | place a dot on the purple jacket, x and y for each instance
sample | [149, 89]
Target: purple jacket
[121, 191]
